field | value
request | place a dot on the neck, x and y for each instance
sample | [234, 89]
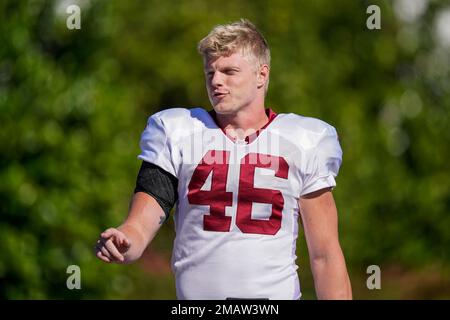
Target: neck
[244, 122]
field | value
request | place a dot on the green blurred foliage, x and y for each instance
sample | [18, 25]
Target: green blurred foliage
[73, 104]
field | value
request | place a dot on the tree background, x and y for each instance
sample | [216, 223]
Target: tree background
[73, 104]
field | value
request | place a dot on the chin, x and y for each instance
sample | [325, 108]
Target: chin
[224, 109]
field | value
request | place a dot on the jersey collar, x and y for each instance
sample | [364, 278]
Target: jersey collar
[250, 138]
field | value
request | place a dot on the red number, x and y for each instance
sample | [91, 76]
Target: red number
[218, 198]
[248, 194]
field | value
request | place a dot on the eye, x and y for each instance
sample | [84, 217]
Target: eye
[230, 71]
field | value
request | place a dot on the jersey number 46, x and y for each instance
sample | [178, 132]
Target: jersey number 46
[217, 198]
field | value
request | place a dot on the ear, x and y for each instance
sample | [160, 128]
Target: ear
[262, 75]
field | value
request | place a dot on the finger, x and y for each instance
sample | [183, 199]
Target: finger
[126, 242]
[105, 252]
[108, 233]
[102, 257]
[113, 251]
[121, 241]
[96, 247]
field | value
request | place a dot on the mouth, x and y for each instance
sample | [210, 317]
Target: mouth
[219, 95]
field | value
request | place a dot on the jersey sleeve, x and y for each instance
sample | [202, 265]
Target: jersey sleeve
[156, 147]
[322, 163]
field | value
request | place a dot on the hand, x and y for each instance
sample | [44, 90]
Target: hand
[112, 246]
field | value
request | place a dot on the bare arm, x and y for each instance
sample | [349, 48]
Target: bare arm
[320, 222]
[126, 243]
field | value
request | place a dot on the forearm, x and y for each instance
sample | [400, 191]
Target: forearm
[138, 243]
[143, 222]
[331, 278]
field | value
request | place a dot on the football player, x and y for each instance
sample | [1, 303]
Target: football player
[240, 176]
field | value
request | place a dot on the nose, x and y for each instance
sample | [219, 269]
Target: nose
[216, 80]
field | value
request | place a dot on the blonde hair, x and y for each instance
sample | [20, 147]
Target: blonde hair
[227, 39]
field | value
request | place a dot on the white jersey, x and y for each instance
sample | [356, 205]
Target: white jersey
[237, 213]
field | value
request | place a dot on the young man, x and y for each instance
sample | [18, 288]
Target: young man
[240, 175]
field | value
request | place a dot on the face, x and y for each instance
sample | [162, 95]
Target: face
[233, 82]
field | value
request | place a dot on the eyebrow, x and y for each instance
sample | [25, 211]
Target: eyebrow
[224, 68]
